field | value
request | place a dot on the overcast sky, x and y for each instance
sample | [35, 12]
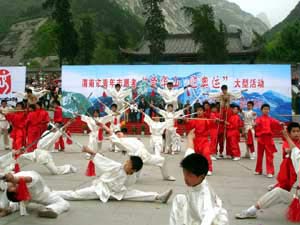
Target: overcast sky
[276, 10]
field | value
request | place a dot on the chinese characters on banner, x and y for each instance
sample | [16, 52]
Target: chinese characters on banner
[108, 83]
[204, 82]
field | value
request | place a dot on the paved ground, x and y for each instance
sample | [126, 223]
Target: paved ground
[233, 181]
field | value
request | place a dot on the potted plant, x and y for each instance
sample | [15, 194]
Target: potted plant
[143, 128]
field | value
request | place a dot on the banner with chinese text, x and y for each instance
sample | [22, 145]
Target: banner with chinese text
[12, 79]
[265, 83]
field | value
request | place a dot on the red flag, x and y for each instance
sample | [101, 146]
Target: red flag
[115, 121]
[22, 190]
[90, 171]
[286, 176]
[293, 212]
[104, 94]
[100, 134]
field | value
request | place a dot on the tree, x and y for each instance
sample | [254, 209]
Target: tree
[65, 33]
[284, 47]
[87, 40]
[155, 31]
[213, 41]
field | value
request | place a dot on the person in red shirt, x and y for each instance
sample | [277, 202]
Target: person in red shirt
[294, 133]
[213, 131]
[264, 125]
[58, 119]
[207, 109]
[201, 141]
[293, 130]
[233, 125]
[43, 117]
[17, 120]
[32, 125]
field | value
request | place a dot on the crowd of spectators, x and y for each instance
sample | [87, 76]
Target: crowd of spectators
[46, 81]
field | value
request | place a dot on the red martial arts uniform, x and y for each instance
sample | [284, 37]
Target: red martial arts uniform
[201, 141]
[233, 136]
[58, 118]
[18, 133]
[265, 143]
[44, 119]
[285, 146]
[287, 175]
[207, 113]
[33, 129]
[213, 132]
[224, 115]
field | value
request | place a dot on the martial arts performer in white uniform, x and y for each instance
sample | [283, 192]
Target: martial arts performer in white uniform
[118, 95]
[40, 193]
[135, 147]
[114, 182]
[200, 205]
[171, 95]
[157, 129]
[172, 141]
[277, 195]
[41, 155]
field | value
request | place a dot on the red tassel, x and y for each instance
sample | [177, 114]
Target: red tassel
[100, 134]
[175, 123]
[293, 212]
[188, 92]
[115, 121]
[152, 92]
[17, 168]
[90, 172]
[142, 118]
[104, 95]
[22, 190]
[250, 142]
[69, 140]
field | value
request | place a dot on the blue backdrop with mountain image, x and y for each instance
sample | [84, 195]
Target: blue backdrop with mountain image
[265, 83]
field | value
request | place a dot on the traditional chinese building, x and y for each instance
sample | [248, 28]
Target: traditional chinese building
[181, 49]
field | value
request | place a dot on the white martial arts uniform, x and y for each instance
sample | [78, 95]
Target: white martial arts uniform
[279, 195]
[113, 183]
[249, 122]
[225, 100]
[199, 206]
[41, 193]
[37, 94]
[4, 125]
[119, 96]
[4, 202]
[135, 147]
[172, 142]
[40, 155]
[170, 96]
[156, 129]
[112, 117]
[94, 143]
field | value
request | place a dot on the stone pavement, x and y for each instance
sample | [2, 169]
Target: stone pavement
[233, 181]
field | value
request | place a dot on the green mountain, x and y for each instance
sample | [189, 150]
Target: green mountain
[292, 17]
